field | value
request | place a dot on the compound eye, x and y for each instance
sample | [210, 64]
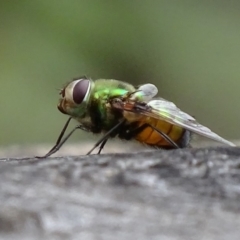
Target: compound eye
[80, 90]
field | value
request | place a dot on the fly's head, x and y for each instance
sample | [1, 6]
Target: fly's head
[75, 97]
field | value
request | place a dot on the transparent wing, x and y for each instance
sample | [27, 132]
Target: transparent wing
[169, 112]
[141, 102]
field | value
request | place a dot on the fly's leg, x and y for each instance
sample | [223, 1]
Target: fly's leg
[165, 136]
[60, 142]
[59, 145]
[104, 139]
[102, 145]
[138, 130]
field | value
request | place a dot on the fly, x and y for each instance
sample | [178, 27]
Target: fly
[118, 109]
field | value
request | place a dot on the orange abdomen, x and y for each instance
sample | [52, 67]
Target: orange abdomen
[152, 137]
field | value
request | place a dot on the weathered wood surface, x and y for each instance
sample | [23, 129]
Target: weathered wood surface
[180, 194]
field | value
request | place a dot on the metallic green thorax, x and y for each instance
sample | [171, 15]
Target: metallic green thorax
[99, 115]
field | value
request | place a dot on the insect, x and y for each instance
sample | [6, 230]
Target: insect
[118, 109]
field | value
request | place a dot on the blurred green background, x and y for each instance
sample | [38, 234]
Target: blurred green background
[189, 49]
